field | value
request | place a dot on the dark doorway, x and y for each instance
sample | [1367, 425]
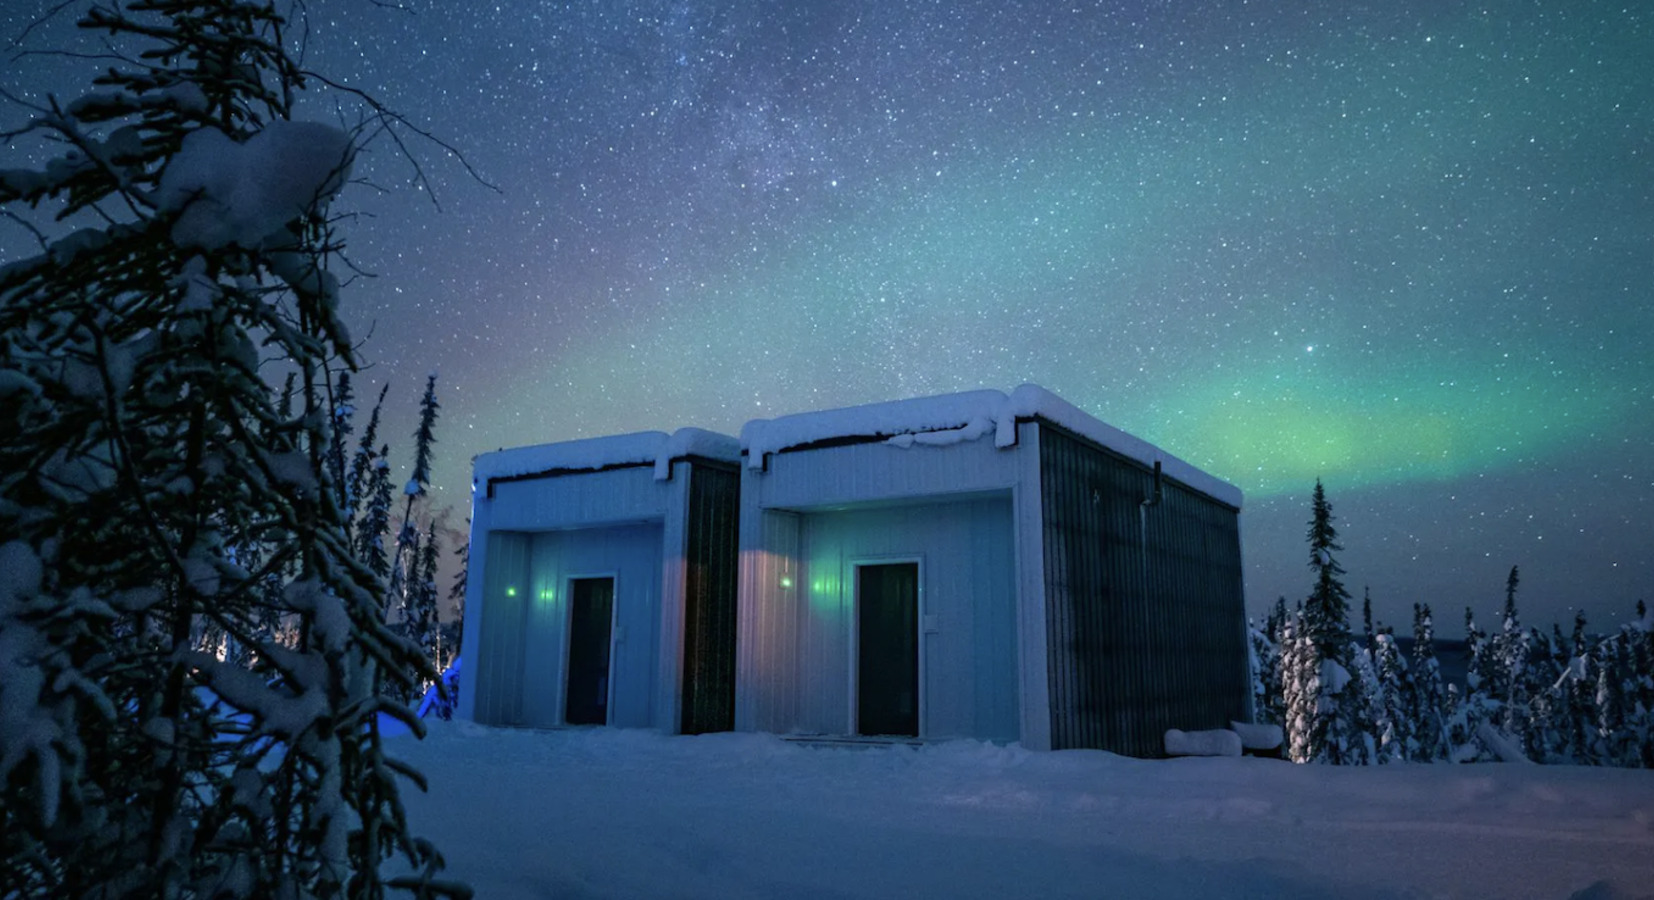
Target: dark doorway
[592, 611]
[887, 673]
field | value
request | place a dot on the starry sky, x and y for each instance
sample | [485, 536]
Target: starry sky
[1406, 247]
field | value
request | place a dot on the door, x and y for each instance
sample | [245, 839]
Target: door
[887, 640]
[591, 613]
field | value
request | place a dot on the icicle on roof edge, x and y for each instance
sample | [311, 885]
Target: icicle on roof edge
[950, 418]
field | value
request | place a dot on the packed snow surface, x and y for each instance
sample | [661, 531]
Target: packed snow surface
[950, 418]
[586, 813]
[655, 448]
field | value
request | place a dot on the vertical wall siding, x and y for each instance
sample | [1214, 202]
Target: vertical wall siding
[709, 600]
[802, 632]
[579, 500]
[859, 473]
[766, 627]
[1138, 641]
[499, 649]
[631, 554]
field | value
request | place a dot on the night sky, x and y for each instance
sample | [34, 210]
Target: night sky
[1406, 247]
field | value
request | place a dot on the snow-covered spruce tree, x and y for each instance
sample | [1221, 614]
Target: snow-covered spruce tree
[344, 414]
[356, 488]
[1341, 732]
[1429, 696]
[1394, 713]
[1367, 633]
[1511, 681]
[1305, 729]
[140, 448]
[456, 591]
[370, 532]
[421, 623]
[403, 593]
[1639, 636]
[1475, 705]
[1265, 659]
[1327, 614]
[1349, 704]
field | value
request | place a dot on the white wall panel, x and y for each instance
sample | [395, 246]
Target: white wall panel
[495, 611]
[766, 632]
[877, 471]
[967, 594]
[632, 556]
[587, 498]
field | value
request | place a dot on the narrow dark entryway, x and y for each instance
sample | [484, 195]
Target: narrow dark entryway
[592, 611]
[887, 678]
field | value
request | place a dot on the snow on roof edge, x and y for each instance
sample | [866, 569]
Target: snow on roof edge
[656, 448]
[967, 416]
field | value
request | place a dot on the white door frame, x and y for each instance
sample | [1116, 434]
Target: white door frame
[568, 636]
[852, 566]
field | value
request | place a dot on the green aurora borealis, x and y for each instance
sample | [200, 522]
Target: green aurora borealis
[1407, 248]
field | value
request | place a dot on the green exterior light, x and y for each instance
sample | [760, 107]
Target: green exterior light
[511, 592]
[786, 582]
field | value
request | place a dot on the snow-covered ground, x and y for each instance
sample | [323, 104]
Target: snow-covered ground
[611, 813]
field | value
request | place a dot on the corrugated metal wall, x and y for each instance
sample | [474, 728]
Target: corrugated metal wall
[709, 599]
[1139, 642]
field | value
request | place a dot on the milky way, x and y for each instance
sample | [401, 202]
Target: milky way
[1404, 247]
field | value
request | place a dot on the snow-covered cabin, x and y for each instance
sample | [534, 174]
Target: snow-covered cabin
[602, 584]
[984, 565]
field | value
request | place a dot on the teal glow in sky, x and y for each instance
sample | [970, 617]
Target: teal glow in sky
[1405, 247]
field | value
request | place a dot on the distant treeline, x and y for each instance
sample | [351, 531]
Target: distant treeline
[1351, 699]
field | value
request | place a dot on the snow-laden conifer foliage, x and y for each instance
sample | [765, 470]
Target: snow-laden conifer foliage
[1340, 699]
[154, 490]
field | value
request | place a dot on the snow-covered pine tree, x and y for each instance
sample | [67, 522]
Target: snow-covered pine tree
[1327, 614]
[1429, 697]
[1639, 636]
[422, 621]
[456, 591]
[1475, 706]
[1300, 693]
[1341, 732]
[1264, 659]
[133, 464]
[1394, 715]
[401, 595]
[357, 487]
[1367, 633]
[344, 414]
[1610, 744]
[1511, 681]
[1348, 703]
[370, 532]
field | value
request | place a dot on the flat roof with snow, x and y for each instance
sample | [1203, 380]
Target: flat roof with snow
[967, 416]
[656, 448]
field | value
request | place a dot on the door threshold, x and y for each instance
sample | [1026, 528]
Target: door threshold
[852, 741]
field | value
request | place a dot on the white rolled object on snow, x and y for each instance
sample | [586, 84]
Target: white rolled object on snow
[1258, 737]
[1217, 742]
